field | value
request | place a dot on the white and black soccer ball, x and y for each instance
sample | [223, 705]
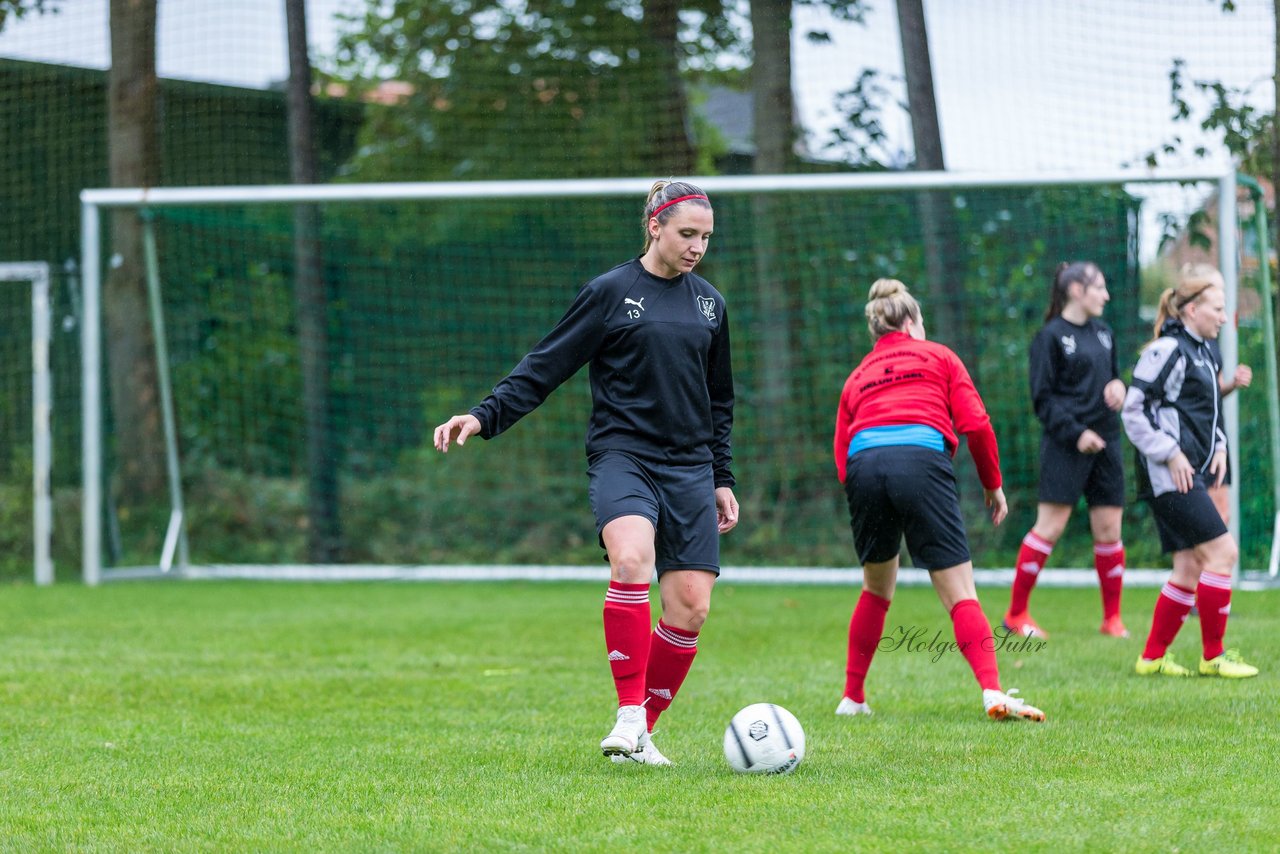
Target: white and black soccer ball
[764, 739]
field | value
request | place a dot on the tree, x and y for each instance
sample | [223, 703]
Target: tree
[670, 112]
[1250, 135]
[134, 161]
[773, 112]
[946, 289]
[577, 89]
[775, 133]
[20, 8]
[324, 533]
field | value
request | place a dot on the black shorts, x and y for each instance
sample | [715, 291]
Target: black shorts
[1066, 474]
[905, 490]
[1185, 520]
[680, 501]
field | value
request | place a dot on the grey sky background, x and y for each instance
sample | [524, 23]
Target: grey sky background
[1021, 84]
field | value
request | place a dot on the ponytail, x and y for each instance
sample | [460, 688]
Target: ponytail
[1165, 310]
[1194, 280]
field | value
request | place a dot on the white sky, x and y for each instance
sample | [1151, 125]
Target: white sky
[1021, 84]
[1027, 84]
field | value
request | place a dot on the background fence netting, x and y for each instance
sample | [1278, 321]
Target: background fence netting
[431, 303]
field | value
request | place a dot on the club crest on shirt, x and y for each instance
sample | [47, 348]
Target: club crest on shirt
[708, 307]
[1105, 338]
[1069, 344]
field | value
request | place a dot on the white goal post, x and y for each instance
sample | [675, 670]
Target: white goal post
[37, 273]
[95, 201]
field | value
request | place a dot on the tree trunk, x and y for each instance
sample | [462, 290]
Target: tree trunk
[773, 115]
[943, 270]
[672, 152]
[925, 131]
[324, 531]
[134, 161]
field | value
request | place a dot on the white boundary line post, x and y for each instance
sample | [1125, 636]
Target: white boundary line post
[41, 415]
[91, 394]
[37, 273]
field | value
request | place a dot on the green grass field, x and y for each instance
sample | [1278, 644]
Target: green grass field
[449, 717]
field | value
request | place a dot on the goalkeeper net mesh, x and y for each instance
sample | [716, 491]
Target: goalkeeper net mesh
[429, 303]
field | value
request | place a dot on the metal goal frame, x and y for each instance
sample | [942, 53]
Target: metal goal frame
[94, 202]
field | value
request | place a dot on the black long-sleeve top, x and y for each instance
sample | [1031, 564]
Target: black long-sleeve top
[661, 375]
[1070, 366]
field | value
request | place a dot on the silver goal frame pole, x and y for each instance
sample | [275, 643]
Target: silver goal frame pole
[91, 393]
[1229, 343]
[37, 273]
[94, 201]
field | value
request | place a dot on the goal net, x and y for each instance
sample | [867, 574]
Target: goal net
[309, 339]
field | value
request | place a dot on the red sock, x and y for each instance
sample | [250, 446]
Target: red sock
[626, 637]
[866, 627]
[1108, 559]
[1172, 607]
[1213, 595]
[671, 653]
[1032, 557]
[973, 634]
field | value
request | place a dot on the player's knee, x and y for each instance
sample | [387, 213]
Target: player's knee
[1106, 533]
[631, 565]
[1217, 557]
[689, 613]
[697, 616]
[1050, 529]
[1225, 558]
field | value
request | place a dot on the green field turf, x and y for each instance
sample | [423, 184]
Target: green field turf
[466, 717]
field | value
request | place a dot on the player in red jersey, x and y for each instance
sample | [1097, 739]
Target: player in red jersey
[895, 436]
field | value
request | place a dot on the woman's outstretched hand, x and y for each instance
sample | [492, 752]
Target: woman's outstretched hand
[458, 428]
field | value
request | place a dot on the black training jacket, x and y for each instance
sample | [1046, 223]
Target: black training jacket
[661, 376]
[1174, 404]
[1070, 366]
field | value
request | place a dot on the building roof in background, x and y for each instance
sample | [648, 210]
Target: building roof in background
[732, 113]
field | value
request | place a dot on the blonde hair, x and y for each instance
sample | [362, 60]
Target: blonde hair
[660, 194]
[889, 307]
[1194, 281]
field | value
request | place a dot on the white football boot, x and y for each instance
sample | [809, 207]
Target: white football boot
[646, 753]
[1003, 706]
[850, 707]
[624, 738]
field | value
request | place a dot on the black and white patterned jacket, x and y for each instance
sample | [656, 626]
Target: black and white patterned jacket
[1173, 404]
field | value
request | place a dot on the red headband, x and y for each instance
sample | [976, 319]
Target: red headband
[661, 208]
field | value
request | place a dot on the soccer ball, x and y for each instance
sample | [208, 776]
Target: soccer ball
[764, 739]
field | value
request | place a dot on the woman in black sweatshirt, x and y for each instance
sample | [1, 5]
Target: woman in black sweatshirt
[1077, 391]
[656, 337]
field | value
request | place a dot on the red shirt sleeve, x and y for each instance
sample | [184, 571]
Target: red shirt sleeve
[971, 420]
[844, 424]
